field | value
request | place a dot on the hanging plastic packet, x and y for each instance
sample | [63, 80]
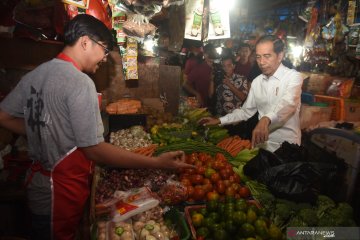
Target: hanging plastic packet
[219, 26]
[118, 19]
[351, 12]
[305, 15]
[131, 59]
[193, 19]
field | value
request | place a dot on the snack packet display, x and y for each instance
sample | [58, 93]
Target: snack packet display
[219, 26]
[194, 10]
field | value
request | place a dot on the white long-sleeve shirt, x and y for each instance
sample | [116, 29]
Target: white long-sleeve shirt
[277, 97]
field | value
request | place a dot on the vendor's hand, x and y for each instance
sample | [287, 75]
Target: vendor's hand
[208, 121]
[261, 132]
[173, 160]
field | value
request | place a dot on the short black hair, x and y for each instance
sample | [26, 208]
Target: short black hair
[228, 57]
[278, 43]
[244, 45]
[87, 25]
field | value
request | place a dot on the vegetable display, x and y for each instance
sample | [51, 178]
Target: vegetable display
[130, 139]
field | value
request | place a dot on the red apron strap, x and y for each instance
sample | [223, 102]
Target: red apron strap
[36, 167]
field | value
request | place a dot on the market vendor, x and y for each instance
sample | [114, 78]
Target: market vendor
[275, 94]
[56, 107]
[198, 75]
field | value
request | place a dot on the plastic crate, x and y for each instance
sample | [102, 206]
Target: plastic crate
[337, 105]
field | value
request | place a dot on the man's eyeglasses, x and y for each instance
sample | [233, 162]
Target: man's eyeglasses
[106, 50]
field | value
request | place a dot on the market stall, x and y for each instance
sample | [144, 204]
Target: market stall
[234, 190]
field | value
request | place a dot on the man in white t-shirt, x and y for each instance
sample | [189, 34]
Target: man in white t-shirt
[275, 94]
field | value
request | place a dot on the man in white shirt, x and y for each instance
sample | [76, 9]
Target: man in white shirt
[275, 94]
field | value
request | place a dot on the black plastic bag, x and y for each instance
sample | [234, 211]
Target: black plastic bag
[263, 161]
[292, 173]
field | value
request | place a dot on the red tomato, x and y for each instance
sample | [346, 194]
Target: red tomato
[224, 174]
[237, 178]
[244, 192]
[206, 181]
[201, 170]
[199, 193]
[215, 177]
[184, 175]
[229, 167]
[190, 159]
[202, 157]
[196, 179]
[220, 156]
[236, 186]
[208, 187]
[190, 191]
[190, 171]
[216, 165]
[220, 186]
[186, 182]
[198, 163]
[231, 179]
[230, 192]
[212, 196]
[227, 182]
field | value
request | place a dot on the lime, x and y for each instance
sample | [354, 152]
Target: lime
[212, 205]
[274, 232]
[261, 228]
[215, 216]
[251, 216]
[239, 217]
[220, 234]
[203, 211]
[202, 232]
[240, 205]
[230, 226]
[247, 230]
[208, 222]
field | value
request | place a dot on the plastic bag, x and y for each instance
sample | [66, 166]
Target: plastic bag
[293, 173]
[138, 26]
[173, 192]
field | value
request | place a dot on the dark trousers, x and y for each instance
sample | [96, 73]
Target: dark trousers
[40, 227]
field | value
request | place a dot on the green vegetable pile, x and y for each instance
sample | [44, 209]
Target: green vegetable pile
[325, 213]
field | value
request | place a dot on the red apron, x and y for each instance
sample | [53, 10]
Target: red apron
[70, 190]
[70, 187]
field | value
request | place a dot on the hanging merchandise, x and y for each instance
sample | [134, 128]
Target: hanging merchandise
[77, 3]
[101, 10]
[118, 19]
[193, 19]
[306, 13]
[138, 26]
[311, 26]
[351, 12]
[131, 59]
[219, 26]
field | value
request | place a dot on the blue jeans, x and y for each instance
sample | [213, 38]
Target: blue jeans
[40, 227]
